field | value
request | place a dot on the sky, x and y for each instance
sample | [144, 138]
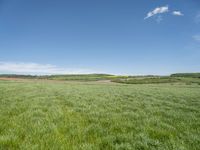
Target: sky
[128, 37]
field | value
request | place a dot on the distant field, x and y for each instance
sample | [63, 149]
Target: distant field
[157, 80]
[188, 78]
[37, 114]
[74, 77]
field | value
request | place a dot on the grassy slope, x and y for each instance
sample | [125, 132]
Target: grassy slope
[147, 80]
[45, 115]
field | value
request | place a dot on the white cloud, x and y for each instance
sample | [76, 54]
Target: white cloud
[196, 38]
[158, 10]
[38, 69]
[161, 10]
[177, 13]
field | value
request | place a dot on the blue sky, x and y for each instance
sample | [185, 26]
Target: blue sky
[115, 36]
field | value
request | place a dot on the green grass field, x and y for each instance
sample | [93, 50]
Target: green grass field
[93, 116]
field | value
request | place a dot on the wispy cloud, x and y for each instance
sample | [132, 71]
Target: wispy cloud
[158, 10]
[177, 13]
[38, 69]
[197, 18]
[159, 19]
[196, 38]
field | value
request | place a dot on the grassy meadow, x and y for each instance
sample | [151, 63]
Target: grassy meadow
[40, 114]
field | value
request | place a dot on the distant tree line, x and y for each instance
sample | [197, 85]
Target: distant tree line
[192, 75]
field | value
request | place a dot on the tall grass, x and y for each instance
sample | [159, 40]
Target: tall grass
[48, 115]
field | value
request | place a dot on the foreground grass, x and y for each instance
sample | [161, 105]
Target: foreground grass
[47, 115]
